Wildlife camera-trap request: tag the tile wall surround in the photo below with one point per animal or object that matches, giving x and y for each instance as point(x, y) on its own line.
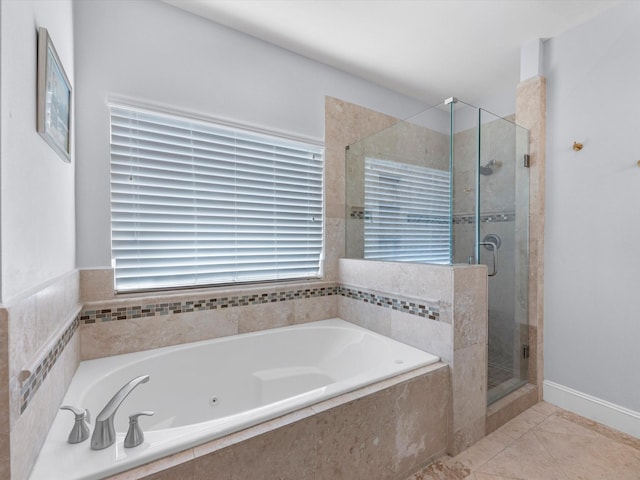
point(531, 102)
point(39, 330)
point(459, 338)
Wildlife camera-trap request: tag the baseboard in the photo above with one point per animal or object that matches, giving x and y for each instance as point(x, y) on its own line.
point(607, 413)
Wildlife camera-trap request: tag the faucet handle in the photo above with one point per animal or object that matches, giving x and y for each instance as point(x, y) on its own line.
point(80, 431)
point(135, 436)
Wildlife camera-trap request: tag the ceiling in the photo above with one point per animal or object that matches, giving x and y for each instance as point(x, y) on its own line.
point(426, 49)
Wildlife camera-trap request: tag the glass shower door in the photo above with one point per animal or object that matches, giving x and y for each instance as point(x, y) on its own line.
point(502, 244)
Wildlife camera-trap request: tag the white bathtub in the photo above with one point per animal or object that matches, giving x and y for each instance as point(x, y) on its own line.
point(204, 390)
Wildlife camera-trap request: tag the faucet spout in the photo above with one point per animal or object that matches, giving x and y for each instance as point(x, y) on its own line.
point(104, 433)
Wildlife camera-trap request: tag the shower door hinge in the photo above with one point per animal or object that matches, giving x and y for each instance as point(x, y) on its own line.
point(527, 160)
point(525, 350)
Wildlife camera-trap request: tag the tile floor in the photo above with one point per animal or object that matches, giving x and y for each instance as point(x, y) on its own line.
point(544, 443)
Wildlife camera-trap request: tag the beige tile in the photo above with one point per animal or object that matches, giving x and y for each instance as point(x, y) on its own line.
point(558, 424)
point(182, 472)
point(5, 456)
point(486, 476)
point(527, 458)
point(440, 470)
point(469, 383)
point(316, 308)
point(470, 306)
point(522, 424)
point(420, 414)
point(602, 429)
point(510, 406)
point(354, 441)
point(96, 285)
point(4, 378)
point(115, 337)
point(286, 453)
point(261, 317)
point(377, 319)
point(334, 247)
point(482, 451)
point(178, 465)
point(592, 457)
point(428, 335)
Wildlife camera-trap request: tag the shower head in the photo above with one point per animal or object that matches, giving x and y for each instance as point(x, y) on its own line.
point(486, 169)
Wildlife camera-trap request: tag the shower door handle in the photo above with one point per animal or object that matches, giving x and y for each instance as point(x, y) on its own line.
point(494, 254)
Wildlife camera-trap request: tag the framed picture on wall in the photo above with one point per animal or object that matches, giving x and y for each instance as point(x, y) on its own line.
point(54, 98)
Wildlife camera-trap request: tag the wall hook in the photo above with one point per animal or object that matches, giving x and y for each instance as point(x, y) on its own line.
point(577, 146)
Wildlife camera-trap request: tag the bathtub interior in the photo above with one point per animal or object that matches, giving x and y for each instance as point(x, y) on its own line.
point(205, 390)
point(197, 383)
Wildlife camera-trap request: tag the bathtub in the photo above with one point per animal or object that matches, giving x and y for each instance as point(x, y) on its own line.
point(204, 390)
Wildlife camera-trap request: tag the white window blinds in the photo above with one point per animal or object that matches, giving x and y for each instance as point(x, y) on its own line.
point(195, 203)
point(407, 213)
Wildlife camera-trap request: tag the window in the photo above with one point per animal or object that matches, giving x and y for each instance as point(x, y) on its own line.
point(195, 203)
point(407, 213)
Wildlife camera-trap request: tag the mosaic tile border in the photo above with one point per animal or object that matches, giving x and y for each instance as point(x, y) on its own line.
point(40, 372)
point(411, 307)
point(487, 218)
point(91, 316)
point(461, 219)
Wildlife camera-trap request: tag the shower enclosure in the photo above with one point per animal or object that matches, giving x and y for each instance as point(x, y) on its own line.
point(450, 186)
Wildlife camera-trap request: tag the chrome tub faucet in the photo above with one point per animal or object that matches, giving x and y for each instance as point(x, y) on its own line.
point(104, 433)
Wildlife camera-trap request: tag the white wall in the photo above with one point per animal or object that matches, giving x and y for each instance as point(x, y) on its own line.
point(37, 201)
point(157, 54)
point(592, 230)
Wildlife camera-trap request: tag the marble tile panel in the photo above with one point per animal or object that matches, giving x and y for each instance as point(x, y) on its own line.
point(522, 424)
point(96, 285)
point(428, 282)
point(23, 334)
point(428, 335)
point(526, 458)
point(481, 452)
point(592, 457)
point(421, 426)
point(4, 379)
point(314, 309)
point(334, 182)
point(354, 441)
point(5, 455)
point(486, 476)
point(264, 428)
point(334, 247)
point(469, 384)
point(465, 436)
point(30, 428)
point(366, 315)
point(470, 306)
point(115, 337)
point(440, 470)
point(287, 453)
point(262, 317)
point(545, 408)
point(510, 406)
point(177, 466)
point(185, 471)
point(608, 432)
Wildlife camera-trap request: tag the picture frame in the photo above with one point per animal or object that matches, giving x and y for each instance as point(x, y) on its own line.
point(53, 98)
